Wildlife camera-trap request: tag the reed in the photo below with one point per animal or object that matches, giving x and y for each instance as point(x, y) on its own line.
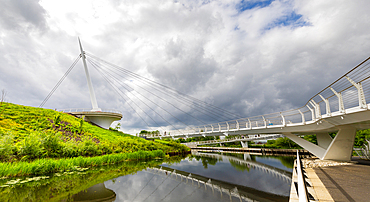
point(48, 165)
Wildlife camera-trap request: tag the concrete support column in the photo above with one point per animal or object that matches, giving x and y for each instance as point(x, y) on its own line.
point(323, 140)
point(244, 144)
point(341, 147)
point(311, 147)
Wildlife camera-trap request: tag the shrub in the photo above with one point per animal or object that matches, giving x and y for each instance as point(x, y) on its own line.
point(52, 144)
point(89, 148)
point(31, 147)
point(7, 147)
point(69, 150)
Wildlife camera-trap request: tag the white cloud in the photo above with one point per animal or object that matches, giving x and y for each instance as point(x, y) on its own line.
point(246, 61)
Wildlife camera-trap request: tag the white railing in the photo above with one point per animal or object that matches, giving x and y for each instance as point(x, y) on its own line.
point(233, 139)
point(349, 91)
point(72, 110)
point(302, 190)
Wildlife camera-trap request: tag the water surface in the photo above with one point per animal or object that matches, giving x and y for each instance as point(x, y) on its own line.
point(198, 177)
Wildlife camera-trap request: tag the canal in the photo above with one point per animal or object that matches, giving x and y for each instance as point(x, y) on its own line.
point(195, 177)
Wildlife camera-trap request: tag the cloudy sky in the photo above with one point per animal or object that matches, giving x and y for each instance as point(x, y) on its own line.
point(248, 57)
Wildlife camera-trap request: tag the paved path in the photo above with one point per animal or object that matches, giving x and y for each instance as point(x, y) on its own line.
point(348, 182)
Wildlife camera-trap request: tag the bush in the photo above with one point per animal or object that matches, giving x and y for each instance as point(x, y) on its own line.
point(89, 148)
point(69, 150)
point(31, 147)
point(7, 147)
point(52, 145)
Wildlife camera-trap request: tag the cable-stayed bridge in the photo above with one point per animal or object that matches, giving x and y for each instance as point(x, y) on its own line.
point(341, 107)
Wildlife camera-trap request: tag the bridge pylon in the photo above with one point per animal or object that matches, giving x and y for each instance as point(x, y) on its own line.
point(97, 116)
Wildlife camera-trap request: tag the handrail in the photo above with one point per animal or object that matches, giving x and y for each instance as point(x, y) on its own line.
point(235, 139)
point(71, 110)
point(302, 190)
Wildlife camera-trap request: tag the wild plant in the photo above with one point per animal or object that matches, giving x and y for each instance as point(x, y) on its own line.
point(7, 147)
point(31, 147)
point(52, 144)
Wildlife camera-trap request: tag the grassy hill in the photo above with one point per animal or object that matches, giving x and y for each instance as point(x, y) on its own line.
point(28, 133)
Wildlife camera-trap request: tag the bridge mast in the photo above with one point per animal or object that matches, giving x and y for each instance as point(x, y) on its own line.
point(91, 89)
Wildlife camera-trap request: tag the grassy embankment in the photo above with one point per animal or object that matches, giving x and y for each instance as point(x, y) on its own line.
point(39, 141)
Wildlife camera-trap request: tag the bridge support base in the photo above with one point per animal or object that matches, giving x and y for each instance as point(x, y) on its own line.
point(339, 148)
point(244, 144)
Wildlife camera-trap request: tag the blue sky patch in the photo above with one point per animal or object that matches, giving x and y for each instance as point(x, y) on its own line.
point(247, 5)
point(293, 19)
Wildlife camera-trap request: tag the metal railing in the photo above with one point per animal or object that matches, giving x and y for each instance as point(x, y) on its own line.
point(364, 151)
point(233, 139)
point(349, 91)
point(72, 110)
point(302, 189)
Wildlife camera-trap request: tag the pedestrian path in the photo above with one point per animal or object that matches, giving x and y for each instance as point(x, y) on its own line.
point(347, 182)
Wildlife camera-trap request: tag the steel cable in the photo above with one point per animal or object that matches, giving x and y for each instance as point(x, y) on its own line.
point(166, 87)
point(176, 96)
point(59, 82)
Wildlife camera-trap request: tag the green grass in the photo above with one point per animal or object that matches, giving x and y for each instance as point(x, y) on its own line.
point(47, 166)
point(28, 133)
point(36, 141)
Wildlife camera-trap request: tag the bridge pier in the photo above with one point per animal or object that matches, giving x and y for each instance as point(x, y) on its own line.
point(323, 140)
point(339, 148)
point(244, 144)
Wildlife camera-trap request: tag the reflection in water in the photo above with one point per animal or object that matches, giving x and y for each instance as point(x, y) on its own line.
point(205, 177)
point(96, 193)
point(199, 177)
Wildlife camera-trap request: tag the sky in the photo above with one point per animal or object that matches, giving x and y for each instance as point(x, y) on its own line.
point(247, 57)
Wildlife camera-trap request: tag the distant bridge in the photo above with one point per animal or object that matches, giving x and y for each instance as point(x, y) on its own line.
point(243, 140)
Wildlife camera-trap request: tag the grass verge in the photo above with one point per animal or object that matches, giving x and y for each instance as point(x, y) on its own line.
point(47, 165)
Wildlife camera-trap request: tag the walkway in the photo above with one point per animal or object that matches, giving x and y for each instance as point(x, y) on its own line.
point(233, 139)
point(347, 182)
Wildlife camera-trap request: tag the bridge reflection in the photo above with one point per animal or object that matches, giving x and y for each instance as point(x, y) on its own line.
point(218, 187)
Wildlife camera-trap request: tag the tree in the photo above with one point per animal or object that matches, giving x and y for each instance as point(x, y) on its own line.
point(118, 126)
point(2, 101)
